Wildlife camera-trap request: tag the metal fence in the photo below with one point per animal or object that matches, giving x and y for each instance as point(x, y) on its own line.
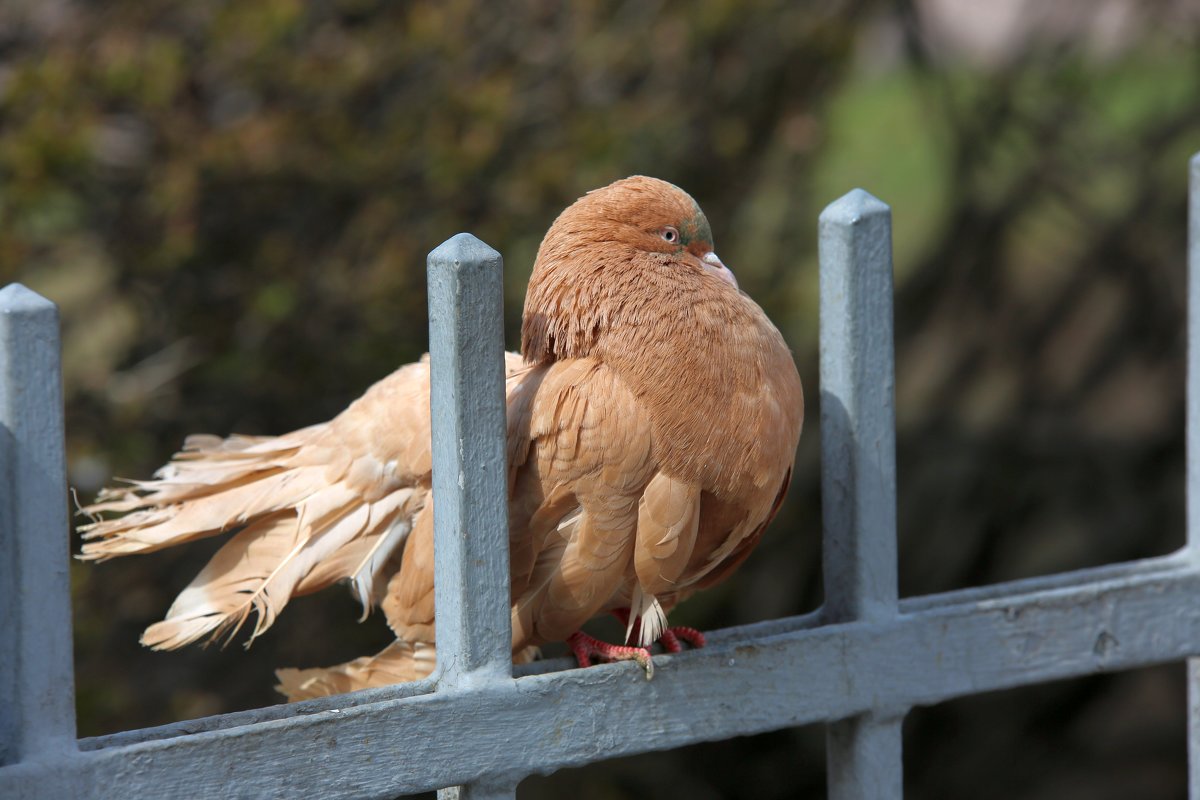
point(858, 664)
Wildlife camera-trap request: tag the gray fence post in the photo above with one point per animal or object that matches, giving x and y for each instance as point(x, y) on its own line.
point(1193, 454)
point(471, 595)
point(858, 485)
point(37, 675)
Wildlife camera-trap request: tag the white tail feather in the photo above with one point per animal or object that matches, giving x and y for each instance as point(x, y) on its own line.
point(646, 609)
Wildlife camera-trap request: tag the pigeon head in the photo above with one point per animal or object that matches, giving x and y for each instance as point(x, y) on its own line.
point(617, 258)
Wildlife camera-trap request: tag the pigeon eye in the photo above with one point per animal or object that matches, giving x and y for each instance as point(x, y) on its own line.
point(669, 234)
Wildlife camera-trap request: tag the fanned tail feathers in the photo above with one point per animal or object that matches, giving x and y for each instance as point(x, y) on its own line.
point(305, 528)
point(209, 487)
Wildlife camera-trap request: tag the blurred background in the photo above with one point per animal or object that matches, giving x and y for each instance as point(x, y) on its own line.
point(232, 203)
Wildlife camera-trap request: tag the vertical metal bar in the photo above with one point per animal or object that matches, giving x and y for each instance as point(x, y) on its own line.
point(466, 348)
point(1193, 701)
point(471, 574)
point(37, 673)
point(1193, 454)
point(863, 757)
point(858, 418)
point(858, 446)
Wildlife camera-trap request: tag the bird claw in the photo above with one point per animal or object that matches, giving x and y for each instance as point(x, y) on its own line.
point(586, 647)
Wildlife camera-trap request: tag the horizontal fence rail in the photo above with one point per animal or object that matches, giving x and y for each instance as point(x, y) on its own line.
point(748, 680)
point(477, 727)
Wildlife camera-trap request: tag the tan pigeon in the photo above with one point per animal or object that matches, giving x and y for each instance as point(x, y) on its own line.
point(653, 416)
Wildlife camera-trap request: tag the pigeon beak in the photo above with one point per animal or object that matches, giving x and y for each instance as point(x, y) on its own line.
point(714, 265)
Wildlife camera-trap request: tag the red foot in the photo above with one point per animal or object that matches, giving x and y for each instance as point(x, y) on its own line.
point(585, 647)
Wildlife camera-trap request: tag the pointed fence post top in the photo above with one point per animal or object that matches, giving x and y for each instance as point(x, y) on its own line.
point(852, 208)
point(16, 297)
point(464, 250)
